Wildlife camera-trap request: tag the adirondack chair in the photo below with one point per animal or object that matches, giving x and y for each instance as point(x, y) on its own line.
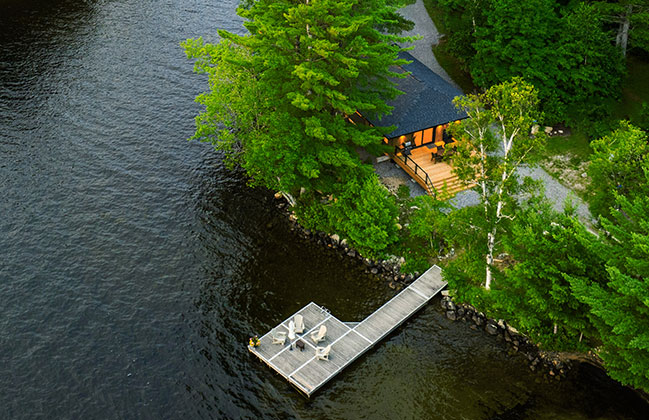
point(322, 353)
point(279, 337)
point(320, 335)
point(299, 324)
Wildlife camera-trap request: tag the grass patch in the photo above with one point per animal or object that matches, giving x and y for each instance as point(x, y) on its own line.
point(576, 145)
point(635, 89)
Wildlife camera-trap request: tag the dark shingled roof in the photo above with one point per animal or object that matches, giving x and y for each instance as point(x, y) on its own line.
point(427, 101)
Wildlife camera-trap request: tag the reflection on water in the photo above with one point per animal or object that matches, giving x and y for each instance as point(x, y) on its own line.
point(134, 265)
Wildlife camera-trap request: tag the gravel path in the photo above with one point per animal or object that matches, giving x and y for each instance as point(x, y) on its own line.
point(424, 27)
point(554, 191)
point(557, 193)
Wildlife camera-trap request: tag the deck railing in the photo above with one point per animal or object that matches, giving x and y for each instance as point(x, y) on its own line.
point(419, 171)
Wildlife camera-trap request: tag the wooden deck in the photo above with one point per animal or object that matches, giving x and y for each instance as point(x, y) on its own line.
point(349, 340)
point(440, 173)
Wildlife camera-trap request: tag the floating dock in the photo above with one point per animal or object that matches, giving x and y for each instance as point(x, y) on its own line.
point(348, 340)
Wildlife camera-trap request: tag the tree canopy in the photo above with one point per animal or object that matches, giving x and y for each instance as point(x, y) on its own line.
point(617, 167)
point(279, 96)
point(489, 159)
point(562, 49)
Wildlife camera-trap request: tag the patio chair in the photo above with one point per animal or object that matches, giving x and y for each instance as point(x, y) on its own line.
point(299, 324)
point(322, 353)
point(279, 337)
point(320, 335)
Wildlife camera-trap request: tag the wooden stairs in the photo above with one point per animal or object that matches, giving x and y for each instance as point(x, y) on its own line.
point(441, 179)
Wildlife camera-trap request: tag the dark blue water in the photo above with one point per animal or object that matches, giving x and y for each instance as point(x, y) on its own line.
point(133, 265)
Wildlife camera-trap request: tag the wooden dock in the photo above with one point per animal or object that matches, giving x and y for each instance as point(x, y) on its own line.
point(348, 340)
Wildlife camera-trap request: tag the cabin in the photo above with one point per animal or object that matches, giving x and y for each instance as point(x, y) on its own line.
point(420, 143)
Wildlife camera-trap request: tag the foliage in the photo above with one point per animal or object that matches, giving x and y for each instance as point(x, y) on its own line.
point(365, 213)
point(545, 257)
point(642, 121)
point(617, 167)
point(591, 67)
point(631, 22)
point(460, 20)
point(563, 50)
point(427, 221)
point(620, 308)
point(490, 160)
point(279, 96)
point(517, 40)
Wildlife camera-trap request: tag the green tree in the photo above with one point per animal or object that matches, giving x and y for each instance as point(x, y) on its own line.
point(617, 167)
point(544, 258)
point(620, 307)
point(427, 221)
point(631, 18)
point(519, 38)
point(462, 18)
point(591, 67)
point(364, 212)
point(279, 94)
point(490, 160)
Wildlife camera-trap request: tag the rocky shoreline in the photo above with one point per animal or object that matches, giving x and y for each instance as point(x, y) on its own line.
point(550, 363)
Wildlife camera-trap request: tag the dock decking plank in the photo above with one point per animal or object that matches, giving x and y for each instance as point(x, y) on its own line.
point(348, 340)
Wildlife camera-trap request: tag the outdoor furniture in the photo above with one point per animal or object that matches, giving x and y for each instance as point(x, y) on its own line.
point(320, 335)
point(291, 332)
point(322, 353)
point(299, 323)
point(279, 337)
point(299, 344)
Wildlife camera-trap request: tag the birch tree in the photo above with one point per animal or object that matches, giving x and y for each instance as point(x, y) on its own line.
point(494, 142)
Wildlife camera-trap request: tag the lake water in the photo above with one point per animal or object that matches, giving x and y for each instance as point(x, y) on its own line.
point(134, 266)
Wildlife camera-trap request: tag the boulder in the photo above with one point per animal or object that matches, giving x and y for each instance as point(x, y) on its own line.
point(335, 238)
point(451, 315)
point(491, 328)
point(374, 271)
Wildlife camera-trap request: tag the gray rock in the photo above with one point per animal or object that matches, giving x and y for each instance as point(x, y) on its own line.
point(451, 315)
point(335, 238)
point(491, 328)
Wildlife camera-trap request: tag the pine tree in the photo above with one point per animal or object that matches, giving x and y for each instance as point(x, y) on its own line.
point(280, 94)
point(545, 258)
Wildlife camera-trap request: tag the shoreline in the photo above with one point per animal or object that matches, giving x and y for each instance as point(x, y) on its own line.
point(552, 364)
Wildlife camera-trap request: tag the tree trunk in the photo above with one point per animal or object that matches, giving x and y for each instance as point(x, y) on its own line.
point(491, 240)
point(622, 38)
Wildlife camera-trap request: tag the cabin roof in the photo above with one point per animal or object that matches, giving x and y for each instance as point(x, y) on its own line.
point(427, 100)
